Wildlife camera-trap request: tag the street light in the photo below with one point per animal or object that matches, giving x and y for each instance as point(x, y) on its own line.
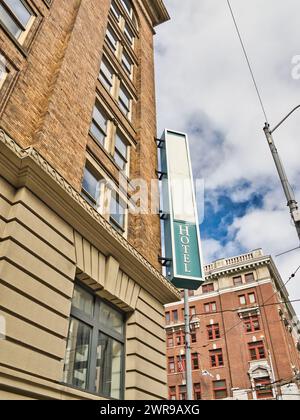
point(289, 193)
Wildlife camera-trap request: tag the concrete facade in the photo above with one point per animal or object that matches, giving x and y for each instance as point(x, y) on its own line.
point(50, 235)
point(243, 303)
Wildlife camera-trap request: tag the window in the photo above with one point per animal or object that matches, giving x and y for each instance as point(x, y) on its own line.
point(237, 281)
point(194, 337)
point(112, 39)
point(192, 311)
point(172, 393)
point(257, 350)
point(210, 307)
point(99, 124)
point(195, 361)
point(182, 392)
point(168, 318)
point(170, 340)
point(207, 288)
point(117, 212)
point(249, 278)
point(127, 63)
point(95, 348)
point(181, 363)
point(220, 389)
point(171, 365)
point(128, 6)
point(175, 316)
point(91, 187)
point(115, 10)
point(213, 332)
point(263, 388)
point(180, 338)
point(121, 151)
point(252, 323)
point(248, 299)
point(106, 74)
point(197, 391)
point(125, 101)
point(216, 358)
point(129, 34)
point(15, 16)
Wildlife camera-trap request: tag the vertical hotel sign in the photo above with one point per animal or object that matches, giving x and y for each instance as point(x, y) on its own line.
point(181, 226)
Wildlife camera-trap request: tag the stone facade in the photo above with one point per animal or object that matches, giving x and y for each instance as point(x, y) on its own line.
point(50, 234)
point(239, 306)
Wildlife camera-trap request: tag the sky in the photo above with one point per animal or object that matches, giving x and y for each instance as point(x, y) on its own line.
point(204, 88)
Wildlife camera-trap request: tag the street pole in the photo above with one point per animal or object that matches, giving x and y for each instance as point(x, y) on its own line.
point(188, 361)
point(289, 193)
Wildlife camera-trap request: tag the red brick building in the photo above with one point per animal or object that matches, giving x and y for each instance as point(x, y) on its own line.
point(244, 342)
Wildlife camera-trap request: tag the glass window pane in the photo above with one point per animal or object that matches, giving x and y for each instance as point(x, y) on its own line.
point(128, 6)
point(129, 35)
point(19, 10)
point(112, 38)
point(117, 210)
point(121, 146)
point(91, 185)
point(106, 74)
point(109, 367)
point(110, 318)
point(83, 300)
point(115, 10)
point(99, 124)
point(10, 24)
point(252, 298)
point(127, 63)
point(77, 354)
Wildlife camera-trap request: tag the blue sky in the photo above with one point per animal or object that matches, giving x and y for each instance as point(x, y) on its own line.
point(204, 88)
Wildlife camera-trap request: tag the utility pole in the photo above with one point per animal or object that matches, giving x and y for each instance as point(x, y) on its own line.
point(188, 361)
point(289, 193)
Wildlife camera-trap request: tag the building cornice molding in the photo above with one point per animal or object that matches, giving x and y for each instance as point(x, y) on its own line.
point(157, 11)
point(224, 271)
point(28, 168)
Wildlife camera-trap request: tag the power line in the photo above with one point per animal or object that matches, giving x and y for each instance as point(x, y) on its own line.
point(247, 59)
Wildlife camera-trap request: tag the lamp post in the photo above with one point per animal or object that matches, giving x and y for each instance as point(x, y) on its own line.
point(289, 193)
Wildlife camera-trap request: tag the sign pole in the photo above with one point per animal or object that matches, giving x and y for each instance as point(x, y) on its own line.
point(188, 361)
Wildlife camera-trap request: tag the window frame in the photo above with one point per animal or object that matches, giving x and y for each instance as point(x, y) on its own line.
point(218, 389)
point(250, 320)
point(210, 306)
point(213, 332)
point(256, 346)
point(96, 329)
point(208, 288)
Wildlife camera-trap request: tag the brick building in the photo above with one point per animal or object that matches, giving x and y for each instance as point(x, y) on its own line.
point(81, 294)
point(245, 342)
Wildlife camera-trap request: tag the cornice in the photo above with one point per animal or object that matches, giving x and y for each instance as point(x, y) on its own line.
point(157, 11)
point(28, 168)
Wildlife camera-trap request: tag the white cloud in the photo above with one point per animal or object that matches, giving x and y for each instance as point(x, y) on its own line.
point(204, 88)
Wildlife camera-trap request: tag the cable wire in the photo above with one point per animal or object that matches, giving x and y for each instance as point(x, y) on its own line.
point(247, 59)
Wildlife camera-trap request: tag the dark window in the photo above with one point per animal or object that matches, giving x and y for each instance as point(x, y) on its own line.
point(117, 212)
point(213, 332)
point(182, 392)
point(210, 307)
point(257, 350)
point(106, 74)
point(194, 337)
point(220, 390)
point(120, 155)
point(263, 388)
point(237, 280)
point(175, 316)
point(197, 391)
point(99, 124)
point(216, 358)
point(195, 361)
point(171, 365)
point(172, 393)
point(168, 320)
point(15, 16)
point(249, 278)
point(170, 340)
point(91, 187)
point(94, 358)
